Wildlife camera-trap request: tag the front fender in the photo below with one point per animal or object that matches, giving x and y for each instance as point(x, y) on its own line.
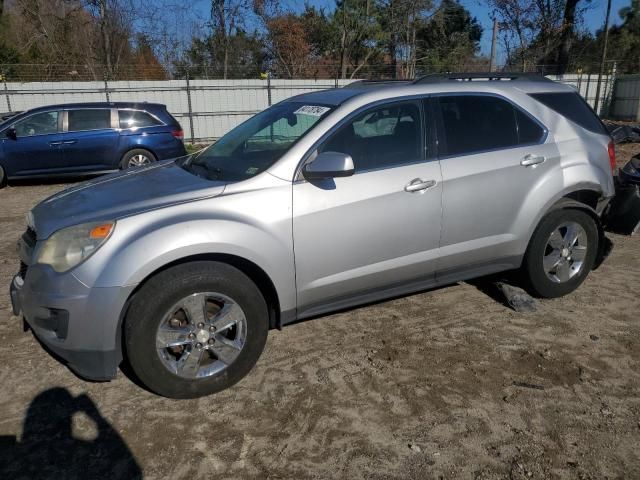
point(142, 244)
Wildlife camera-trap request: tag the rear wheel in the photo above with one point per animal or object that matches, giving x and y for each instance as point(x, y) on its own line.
point(195, 329)
point(3, 178)
point(137, 158)
point(561, 253)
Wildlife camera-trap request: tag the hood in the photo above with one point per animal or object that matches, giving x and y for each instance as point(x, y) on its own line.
point(121, 194)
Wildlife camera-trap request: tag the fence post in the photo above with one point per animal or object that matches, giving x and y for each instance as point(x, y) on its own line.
point(6, 90)
point(106, 85)
point(189, 107)
point(269, 88)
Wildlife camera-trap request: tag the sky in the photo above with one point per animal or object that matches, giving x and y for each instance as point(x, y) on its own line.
point(594, 16)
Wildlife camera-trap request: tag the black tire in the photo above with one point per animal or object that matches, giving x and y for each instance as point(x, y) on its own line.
point(3, 178)
point(156, 298)
point(126, 159)
point(539, 282)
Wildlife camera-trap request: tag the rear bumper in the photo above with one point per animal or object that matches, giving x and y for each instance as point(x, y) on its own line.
point(77, 324)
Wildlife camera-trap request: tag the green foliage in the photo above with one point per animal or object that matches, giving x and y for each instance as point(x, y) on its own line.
point(449, 39)
point(205, 59)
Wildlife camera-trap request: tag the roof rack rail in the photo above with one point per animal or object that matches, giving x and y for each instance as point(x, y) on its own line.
point(488, 76)
point(376, 83)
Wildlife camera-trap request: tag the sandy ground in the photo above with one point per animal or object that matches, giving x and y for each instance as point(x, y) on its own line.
point(427, 386)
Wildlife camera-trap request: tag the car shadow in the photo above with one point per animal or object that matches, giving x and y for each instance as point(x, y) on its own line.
point(62, 181)
point(51, 448)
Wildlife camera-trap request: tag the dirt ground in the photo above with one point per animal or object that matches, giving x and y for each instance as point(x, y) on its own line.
point(449, 383)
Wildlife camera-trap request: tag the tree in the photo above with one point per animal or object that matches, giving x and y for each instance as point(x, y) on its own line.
point(449, 39)
point(566, 35)
point(288, 45)
point(359, 34)
point(518, 27)
point(226, 20)
point(403, 20)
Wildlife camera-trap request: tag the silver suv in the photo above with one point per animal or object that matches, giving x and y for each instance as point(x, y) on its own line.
point(324, 201)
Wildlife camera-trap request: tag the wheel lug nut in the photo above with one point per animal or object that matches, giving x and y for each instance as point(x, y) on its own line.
point(192, 336)
point(198, 345)
point(201, 325)
point(212, 328)
point(211, 341)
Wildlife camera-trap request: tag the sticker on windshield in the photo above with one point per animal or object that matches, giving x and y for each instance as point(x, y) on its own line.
point(313, 110)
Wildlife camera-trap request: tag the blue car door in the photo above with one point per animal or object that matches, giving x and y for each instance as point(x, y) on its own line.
point(36, 148)
point(90, 139)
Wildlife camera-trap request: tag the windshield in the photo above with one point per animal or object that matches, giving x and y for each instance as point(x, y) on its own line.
point(258, 143)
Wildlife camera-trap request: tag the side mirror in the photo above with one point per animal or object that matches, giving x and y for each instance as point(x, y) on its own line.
point(11, 133)
point(329, 165)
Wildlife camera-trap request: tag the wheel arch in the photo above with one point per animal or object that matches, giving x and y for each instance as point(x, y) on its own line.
point(583, 199)
point(249, 268)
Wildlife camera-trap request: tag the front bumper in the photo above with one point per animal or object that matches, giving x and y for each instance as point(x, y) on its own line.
point(78, 324)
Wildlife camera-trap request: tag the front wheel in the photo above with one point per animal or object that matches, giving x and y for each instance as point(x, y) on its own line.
point(195, 329)
point(561, 253)
point(3, 178)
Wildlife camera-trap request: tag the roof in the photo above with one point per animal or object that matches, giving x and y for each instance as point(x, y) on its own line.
point(98, 105)
point(431, 84)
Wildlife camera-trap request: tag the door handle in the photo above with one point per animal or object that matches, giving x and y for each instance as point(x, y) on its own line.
point(419, 185)
point(54, 144)
point(530, 160)
point(69, 142)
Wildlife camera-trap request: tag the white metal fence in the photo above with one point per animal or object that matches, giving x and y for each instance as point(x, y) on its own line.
point(625, 103)
point(206, 108)
point(209, 108)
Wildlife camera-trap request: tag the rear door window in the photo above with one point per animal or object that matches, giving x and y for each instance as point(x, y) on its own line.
point(89, 119)
point(137, 119)
point(382, 137)
point(478, 123)
point(572, 106)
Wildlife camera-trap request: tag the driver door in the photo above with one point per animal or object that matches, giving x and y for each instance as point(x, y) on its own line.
point(376, 233)
point(37, 147)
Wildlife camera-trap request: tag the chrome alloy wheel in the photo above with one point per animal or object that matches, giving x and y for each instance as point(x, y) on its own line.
point(138, 161)
point(201, 335)
point(565, 252)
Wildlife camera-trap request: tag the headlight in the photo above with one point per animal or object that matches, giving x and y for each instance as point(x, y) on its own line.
point(70, 246)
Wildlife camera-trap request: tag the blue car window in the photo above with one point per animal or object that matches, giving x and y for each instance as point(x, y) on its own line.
point(89, 119)
point(137, 119)
point(39, 124)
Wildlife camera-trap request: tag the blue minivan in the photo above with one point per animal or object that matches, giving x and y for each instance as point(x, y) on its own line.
point(87, 138)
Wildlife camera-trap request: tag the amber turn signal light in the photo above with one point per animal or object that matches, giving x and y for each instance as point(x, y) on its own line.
point(101, 231)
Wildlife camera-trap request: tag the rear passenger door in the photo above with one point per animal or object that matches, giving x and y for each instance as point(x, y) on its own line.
point(377, 230)
point(90, 139)
point(492, 155)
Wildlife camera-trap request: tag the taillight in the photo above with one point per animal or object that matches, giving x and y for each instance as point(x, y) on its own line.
point(612, 156)
point(178, 134)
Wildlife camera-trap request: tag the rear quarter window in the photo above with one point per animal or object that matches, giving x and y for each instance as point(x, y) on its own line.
point(137, 119)
point(572, 106)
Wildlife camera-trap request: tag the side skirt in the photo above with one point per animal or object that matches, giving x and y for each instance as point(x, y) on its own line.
point(363, 298)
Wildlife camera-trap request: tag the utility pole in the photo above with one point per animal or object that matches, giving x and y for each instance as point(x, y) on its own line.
point(604, 56)
point(494, 41)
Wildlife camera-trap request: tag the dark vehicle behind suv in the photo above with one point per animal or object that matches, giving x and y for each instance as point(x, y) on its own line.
point(87, 138)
